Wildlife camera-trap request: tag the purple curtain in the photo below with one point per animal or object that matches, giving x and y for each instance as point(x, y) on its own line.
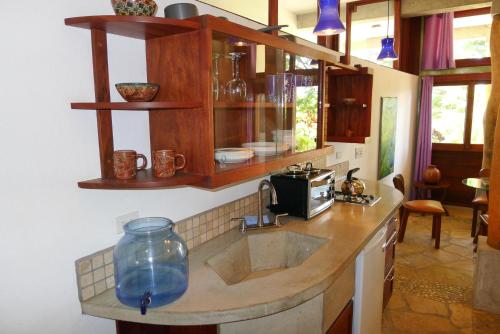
point(437, 54)
point(424, 138)
point(438, 42)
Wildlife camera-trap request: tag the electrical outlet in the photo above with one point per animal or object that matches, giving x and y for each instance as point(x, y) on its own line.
point(358, 153)
point(123, 219)
point(338, 155)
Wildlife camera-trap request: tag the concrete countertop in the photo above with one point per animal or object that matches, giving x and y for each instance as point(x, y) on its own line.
point(209, 300)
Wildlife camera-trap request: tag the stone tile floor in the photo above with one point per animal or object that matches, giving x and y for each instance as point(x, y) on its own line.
point(433, 288)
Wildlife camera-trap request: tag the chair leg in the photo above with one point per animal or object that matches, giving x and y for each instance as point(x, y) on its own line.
point(433, 226)
point(402, 227)
point(438, 231)
point(473, 228)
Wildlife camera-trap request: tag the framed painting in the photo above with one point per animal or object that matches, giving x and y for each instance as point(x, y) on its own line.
point(387, 139)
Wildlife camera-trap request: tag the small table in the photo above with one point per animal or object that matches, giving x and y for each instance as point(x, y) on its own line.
point(423, 188)
point(482, 183)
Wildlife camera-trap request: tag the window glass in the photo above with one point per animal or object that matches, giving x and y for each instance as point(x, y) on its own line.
point(481, 95)
point(449, 104)
point(368, 28)
point(300, 16)
point(471, 36)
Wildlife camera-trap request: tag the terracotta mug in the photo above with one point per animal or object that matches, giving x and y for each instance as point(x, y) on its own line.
point(164, 163)
point(125, 164)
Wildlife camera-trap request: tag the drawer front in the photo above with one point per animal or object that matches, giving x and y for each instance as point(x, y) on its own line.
point(388, 286)
point(390, 246)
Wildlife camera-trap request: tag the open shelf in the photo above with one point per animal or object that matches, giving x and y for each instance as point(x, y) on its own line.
point(135, 105)
point(248, 105)
point(141, 27)
point(144, 180)
point(259, 166)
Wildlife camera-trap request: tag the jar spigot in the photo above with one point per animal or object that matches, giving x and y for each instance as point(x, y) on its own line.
point(145, 301)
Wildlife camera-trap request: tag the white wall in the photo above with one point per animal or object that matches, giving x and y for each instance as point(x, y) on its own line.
point(48, 221)
point(386, 83)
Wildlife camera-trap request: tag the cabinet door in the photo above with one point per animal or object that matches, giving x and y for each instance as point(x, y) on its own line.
point(390, 253)
point(343, 324)
point(125, 327)
point(388, 287)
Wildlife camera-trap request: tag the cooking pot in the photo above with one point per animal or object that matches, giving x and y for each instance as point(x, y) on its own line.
point(352, 186)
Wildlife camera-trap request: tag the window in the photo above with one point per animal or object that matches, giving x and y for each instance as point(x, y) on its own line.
point(368, 28)
point(457, 113)
point(471, 36)
point(481, 95)
point(449, 104)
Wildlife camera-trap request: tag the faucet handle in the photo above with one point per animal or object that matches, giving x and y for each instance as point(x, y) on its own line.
point(277, 217)
point(243, 226)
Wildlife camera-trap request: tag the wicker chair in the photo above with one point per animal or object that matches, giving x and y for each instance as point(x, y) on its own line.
point(434, 208)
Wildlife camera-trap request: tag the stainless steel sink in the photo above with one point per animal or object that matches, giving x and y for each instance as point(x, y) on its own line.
point(263, 254)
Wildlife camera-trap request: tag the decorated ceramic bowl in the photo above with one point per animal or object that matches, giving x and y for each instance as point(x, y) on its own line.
point(137, 92)
point(134, 7)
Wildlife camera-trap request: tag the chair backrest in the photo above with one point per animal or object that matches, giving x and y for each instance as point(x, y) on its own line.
point(399, 183)
point(484, 172)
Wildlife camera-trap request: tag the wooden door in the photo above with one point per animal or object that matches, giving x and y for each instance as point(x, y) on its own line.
point(343, 324)
point(125, 327)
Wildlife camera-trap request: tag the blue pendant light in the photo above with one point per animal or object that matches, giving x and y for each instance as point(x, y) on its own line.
point(387, 52)
point(329, 22)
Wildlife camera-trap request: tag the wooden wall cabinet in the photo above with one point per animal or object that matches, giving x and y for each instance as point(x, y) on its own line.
point(349, 95)
point(184, 116)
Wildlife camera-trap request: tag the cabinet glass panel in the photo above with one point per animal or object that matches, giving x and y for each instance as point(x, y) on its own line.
point(265, 102)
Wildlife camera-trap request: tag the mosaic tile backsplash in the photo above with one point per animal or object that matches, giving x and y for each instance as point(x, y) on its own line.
point(95, 273)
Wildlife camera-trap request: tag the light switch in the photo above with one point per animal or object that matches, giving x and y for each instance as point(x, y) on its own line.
point(358, 153)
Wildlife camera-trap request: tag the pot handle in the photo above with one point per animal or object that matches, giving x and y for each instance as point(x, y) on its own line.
point(349, 173)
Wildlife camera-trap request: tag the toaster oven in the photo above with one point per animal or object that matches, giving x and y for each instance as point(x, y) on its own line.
point(304, 194)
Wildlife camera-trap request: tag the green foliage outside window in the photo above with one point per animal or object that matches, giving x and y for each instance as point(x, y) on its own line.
point(307, 118)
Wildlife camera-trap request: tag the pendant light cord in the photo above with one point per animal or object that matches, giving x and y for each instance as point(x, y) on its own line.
point(388, 3)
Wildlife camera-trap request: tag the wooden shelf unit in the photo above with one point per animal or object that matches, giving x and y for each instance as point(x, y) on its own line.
point(140, 27)
point(248, 105)
point(349, 121)
point(144, 180)
point(179, 59)
point(135, 105)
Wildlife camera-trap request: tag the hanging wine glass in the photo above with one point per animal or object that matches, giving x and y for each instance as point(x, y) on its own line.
point(217, 87)
point(236, 88)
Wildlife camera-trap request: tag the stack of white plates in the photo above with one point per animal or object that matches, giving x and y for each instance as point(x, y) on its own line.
point(232, 155)
point(266, 148)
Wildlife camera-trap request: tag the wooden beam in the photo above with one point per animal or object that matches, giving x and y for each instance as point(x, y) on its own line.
point(273, 15)
point(472, 12)
point(397, 31)
point(101, 88)
point(493, 130)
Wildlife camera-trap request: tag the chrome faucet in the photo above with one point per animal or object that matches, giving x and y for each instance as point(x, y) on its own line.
point(274, 200)
point(260, 215)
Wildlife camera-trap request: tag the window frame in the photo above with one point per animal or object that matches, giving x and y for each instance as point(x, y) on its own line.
point(470, 80)
point(471, 62)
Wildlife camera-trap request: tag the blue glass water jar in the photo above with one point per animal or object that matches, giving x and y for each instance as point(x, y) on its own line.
point(151, 264)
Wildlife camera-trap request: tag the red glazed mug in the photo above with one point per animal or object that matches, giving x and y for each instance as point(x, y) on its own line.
point(125, 164)
point(164, 163)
